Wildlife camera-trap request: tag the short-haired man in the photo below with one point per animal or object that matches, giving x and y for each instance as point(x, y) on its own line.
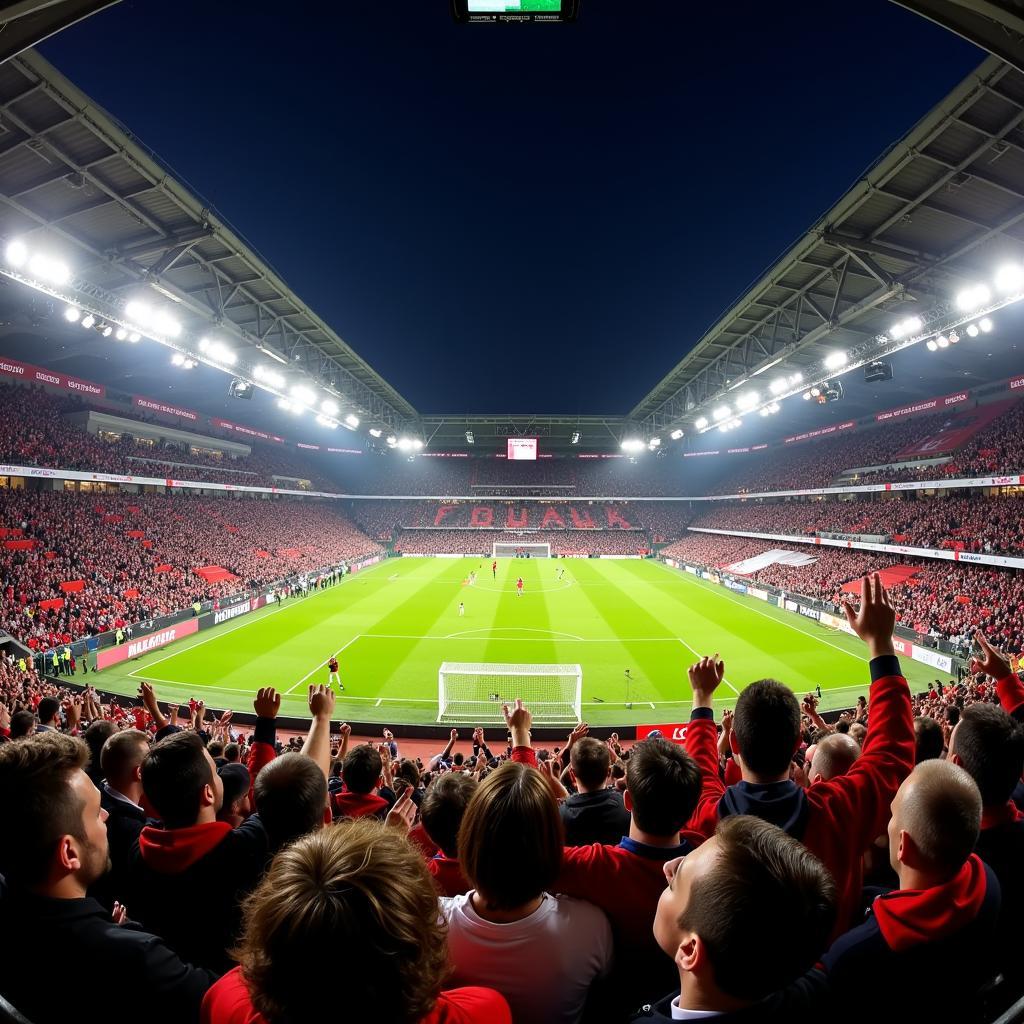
point(835, 755)
point(47, 711)
point(121, 797)
point(192, 852)
point(928, 739)
point(837, 820)
point(53, 848)
point(945, 911)
point(989, 745)
point(290, 798)
point(441, 811)
point(745, 915)
point(362, 773)
point(594, 813)
point(626, 879)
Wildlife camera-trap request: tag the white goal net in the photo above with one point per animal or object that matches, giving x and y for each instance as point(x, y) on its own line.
point(473, 692)
point(518, 550)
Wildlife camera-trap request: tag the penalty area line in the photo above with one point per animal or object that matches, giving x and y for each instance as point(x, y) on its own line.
point(322, 664)
point(698, 656)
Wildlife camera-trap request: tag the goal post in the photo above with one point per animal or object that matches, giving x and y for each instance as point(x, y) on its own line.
point(473, 692)
point(505, 550)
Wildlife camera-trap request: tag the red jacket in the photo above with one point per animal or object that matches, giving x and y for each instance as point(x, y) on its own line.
point(448, 876)
point(228, 1002)
point(836, 820)
point(1011, 695)
point(358, 805)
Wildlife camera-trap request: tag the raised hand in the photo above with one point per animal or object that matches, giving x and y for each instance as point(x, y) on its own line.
point(402, 813)
point(267, 702)
point(992, 661)
point(875, 620)
point(578, 733)
point(5, 717)
point(321, 701)
point(706, 676)
point(547, 769)
point(119, 914)
point(148, 695)
point(454, 734)
point(518, 716)
point(345, 730)
point(727, 722)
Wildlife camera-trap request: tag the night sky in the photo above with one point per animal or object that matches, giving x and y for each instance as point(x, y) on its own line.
point(522, 218)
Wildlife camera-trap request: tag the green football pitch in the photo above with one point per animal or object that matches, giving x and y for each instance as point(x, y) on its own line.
point(394, 624)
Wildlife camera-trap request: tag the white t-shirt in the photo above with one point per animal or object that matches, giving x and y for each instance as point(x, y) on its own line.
point(543, 965)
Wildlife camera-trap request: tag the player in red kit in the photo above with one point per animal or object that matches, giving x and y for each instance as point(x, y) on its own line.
point(494, 569)
point(334, 677)
point(519, 587)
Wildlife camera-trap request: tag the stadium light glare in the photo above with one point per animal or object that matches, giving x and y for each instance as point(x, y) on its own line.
point(632, 444)
point(302, 394)
point(404, 444)
point(121, 334)
point(655, 442)
point(972, 330)
point(134, 337)
point(721, 413)
point(178, 359)
point(986, 325)
point(374, 432)
point(575, 437)
point(326, 421)
point(778, 386)
point(701, 423)
point(797, 378)
point(165, 324)
point(72, 314)
point(972, 298)
point(1009, 278)
point(942, 341)
point(953, 337)
point(747, 400)
point(676, 434)
point(45, 268)
point(106, 330)
point(417, 444)
point(139, 313)
point(932, 345)
point(352, 420)
point(88, 321)
point(392, 441)
point(329, 406)
point(268, 375)
point(470, 439)
point(807, 396)
point(16, 253)
point(835, 359)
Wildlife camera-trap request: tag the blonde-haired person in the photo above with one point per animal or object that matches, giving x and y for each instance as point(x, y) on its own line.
point(541, 952)
point(346, 916)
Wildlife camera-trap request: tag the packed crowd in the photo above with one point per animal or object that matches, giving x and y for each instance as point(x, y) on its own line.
point(944, 600)
point(235, 879)
point(992, 525)
point(118, 578)
point(35, 432)
point(564, 543)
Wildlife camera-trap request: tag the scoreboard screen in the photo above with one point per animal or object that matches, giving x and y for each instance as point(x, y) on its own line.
point(515, 10)
point(522, 449)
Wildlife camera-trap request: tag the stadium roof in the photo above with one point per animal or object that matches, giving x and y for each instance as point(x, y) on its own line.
point(123, 221)
point(933, 215)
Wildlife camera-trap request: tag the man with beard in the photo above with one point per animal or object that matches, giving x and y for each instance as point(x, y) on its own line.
point(52, 848)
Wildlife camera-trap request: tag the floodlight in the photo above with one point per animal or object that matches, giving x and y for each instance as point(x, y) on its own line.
point(748, 400)
point(16, 253)
point(1009, 278)
point(721, 413)
point(632, 444)
point(701, 423)
point(392, 440)
point(972, 331)
point(807, 396)
point(676, 434)
point(778, 386)
point(72, 314)
point(374, 432)
point(932, 345)
point(121, 334)
point(575, 438)
point(470, 439)
point(178, 359)
point(164, 323)
point(655, 442)
point(138, 312)
point(134, 337)
point(106, 330)
point(797, 378)
point(986, 325)
point(942, 341)
point(352, 420)
point(835, 359)
point(326, 421)
point(972, 298)
point(417, 444)
point(88, 321)
point(329, 406)
point(302, 394)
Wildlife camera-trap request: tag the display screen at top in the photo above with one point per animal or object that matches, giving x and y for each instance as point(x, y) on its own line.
point(522, 448)
point(513, 7)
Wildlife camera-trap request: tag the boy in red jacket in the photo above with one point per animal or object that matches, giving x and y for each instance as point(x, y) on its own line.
point(836, 820)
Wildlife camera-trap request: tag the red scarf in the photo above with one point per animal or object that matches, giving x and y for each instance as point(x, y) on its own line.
point(911, 917)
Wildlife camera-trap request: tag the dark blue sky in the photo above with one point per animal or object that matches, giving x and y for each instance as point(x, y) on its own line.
point(523, 218)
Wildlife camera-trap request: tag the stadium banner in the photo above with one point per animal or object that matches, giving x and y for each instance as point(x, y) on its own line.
point(943, 662)
point(149, 404)
point(941, 554)
point(757, 592)
point(790, 606)
point(740, 588)
point(932, 403)
point(822, 432)
point(365, 563)
point(237, 428)
point(692, 569)
point(38, 375)
point(676, 731)
point(809, 613)
point(671, 563)
point(619, 556)
point(140, 645)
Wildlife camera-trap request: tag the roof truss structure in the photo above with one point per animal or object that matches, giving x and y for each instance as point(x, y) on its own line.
point(72, 174)
point(928, 218)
